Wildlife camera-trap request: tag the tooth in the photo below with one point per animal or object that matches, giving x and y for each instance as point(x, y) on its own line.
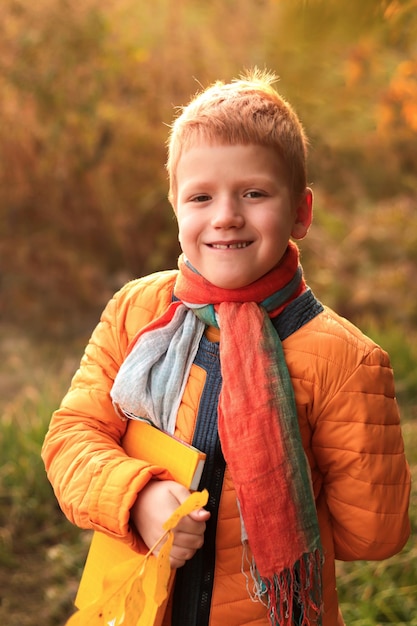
point(232, 246)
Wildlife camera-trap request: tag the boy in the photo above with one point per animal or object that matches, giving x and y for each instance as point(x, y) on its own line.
point(294, 407)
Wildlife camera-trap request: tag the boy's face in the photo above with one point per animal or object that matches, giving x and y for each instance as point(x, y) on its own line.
point(235, 211)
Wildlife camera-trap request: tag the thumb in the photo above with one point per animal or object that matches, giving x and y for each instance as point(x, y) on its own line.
point(181, 493)
point(178, 492)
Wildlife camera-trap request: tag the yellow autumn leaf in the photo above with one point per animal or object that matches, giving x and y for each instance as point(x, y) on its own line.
point(135, 590)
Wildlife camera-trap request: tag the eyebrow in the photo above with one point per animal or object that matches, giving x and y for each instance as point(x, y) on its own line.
point(249, 181)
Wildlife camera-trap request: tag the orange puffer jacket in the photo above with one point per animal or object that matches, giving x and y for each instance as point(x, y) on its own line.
point(349, 425)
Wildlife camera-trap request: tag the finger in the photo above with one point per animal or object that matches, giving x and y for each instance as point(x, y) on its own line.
point(188, 538)
point(190, 526)
point(179, 556)
point(201, 515)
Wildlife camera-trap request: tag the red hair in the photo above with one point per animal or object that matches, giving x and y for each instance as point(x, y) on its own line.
point(245, 111)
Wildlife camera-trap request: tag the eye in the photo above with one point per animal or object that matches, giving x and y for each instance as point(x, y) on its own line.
point(254, 193)
point(202, 197)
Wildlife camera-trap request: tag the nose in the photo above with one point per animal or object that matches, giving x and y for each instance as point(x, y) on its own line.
point(227, 213)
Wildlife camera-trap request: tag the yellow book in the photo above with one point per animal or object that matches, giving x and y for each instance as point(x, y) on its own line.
point(148, 443)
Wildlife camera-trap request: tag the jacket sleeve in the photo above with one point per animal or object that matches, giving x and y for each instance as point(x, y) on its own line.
point(358, 445)
point(95, 482)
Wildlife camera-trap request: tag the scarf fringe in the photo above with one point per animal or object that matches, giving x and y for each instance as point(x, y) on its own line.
point(292, 597)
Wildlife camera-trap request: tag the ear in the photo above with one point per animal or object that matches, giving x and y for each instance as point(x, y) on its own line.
point(303, 215)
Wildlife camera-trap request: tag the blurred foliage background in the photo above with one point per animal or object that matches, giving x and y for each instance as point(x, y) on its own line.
point(87, 91)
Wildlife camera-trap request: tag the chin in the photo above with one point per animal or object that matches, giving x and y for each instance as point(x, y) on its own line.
point(234, 284)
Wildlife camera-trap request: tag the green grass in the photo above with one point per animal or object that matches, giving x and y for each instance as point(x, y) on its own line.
point(42, 555)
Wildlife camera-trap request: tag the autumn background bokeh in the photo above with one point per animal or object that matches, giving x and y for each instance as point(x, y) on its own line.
point(87, 91)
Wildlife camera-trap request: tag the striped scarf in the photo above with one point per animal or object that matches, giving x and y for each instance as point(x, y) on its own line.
point(257, 422)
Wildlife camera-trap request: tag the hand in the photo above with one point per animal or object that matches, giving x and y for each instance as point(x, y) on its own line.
point(154, 505)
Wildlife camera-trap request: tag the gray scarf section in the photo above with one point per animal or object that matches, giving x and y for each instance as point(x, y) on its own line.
point(151, 380)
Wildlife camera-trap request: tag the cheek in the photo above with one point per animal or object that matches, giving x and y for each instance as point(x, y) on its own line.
point(281, 226)
point(186, 231)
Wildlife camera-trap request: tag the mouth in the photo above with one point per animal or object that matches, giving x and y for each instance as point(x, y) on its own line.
point(230, 246)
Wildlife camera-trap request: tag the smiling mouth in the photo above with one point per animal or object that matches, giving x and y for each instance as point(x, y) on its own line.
point(230, 246)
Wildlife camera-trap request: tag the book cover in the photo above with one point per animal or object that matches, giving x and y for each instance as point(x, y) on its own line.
point(148, 443)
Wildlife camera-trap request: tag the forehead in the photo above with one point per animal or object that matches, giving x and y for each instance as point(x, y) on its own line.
point(215, 162)
point(211, 131)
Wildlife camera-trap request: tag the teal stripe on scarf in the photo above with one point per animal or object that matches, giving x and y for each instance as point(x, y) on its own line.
point(303, 490)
